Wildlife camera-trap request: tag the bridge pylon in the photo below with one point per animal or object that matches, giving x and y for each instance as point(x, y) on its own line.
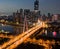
point(25, 27)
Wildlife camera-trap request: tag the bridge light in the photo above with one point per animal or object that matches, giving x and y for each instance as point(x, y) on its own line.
point(17, 22)
point(45, 32)
point(2, 24)
point(2, 31)
point(6, 21)
point(33, 24)
point(2, 20)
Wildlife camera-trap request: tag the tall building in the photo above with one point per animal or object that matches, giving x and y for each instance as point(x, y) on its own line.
point(13, 16)
point(36, 11)
point(49, 17)
point(36, 5)
point(26, 11)
point(21, 11)
point(36, 8)
point(44, 17)
point(17, 16)
point(21, 16)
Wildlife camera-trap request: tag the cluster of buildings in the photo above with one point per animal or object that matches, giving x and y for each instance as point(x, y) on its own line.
point(31, 16)
point(28, 17)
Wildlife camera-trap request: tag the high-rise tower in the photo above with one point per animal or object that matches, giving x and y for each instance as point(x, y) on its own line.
point(36, 5)
point(36, 10)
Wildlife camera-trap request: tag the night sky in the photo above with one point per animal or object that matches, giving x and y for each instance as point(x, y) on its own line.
point(46, 6)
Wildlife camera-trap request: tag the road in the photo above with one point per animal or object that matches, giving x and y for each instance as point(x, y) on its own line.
point(18, 37)
point(13, 43)
point(18, 42)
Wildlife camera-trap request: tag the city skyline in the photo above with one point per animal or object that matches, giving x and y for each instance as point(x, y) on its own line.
point(45, 6)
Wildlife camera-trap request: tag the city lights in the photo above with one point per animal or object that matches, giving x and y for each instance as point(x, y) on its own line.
point(23, 24)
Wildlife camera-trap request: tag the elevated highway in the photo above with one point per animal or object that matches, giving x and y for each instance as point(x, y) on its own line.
point(25, 37)
point(13, 43)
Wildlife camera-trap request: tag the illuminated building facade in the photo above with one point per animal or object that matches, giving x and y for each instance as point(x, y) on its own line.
point(56, 17)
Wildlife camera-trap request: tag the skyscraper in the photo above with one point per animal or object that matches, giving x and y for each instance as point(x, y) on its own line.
point(36, 10)
point(36, 5)
point(21, 11)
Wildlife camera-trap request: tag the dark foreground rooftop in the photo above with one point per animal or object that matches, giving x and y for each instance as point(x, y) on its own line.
point(29, 46)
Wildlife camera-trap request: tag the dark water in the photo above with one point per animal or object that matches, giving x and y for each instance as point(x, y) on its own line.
point(7, 28)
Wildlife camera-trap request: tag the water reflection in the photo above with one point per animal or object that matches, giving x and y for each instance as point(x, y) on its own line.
point(6, 28)
point(10, 29)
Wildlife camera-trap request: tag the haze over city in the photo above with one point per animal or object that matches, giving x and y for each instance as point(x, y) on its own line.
point(45, 6)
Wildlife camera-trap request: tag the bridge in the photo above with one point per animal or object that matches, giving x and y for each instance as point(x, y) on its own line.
point(13, 43)
point(25, 37)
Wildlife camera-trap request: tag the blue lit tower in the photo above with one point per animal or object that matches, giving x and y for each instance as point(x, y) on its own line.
point(36, 10)
point(36, 5)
